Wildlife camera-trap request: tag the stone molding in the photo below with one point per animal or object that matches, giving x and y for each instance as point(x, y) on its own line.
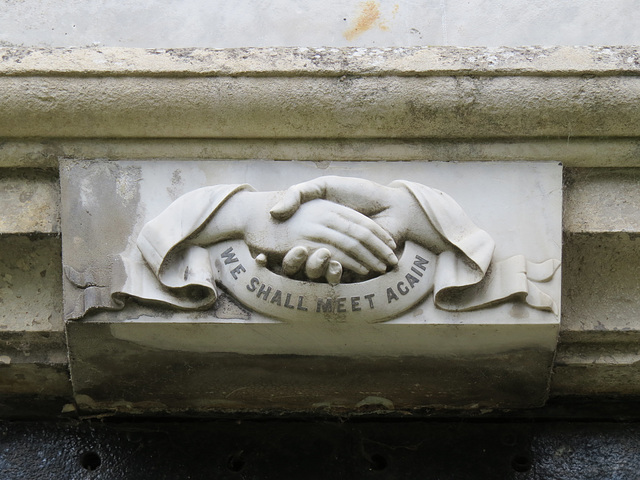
point(287, 93)
point(577, 152)
point(328, 61)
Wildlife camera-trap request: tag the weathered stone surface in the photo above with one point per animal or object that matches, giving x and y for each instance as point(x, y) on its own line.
point(261, 100)
point(34, 363)
point(33, 353)
point(601, 292)
point(30, 202)
point(331, 61)
point(338, 107)
point(599, 368)
point(142, 378)
point(602, 201)
point(598, 352)
point(577, 152)
point(30, 284)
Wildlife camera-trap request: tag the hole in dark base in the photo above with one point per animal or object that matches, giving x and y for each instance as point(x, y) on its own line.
point(90, 461)
point(378, 462)
point(521, 463)
point(235, 462)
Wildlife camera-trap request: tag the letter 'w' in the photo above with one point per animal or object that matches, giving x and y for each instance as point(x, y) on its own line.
point(229, 256)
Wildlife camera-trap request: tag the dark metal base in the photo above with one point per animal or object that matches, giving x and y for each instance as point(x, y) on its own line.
point(289, 449)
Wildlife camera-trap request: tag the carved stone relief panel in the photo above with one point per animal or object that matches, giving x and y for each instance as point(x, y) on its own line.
point(302, 285)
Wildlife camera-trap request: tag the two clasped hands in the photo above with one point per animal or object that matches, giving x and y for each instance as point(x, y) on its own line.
point(325, 225)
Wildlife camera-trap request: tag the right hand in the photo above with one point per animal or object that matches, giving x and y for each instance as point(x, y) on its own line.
point(352, 239)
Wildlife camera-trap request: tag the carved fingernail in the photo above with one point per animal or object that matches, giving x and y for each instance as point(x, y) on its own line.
point(323, 253)
point(334, 272)
point(392, 259)
point(293, 260)
point(363, 270)
point(317, 263)
point(381, 267)
point(334, 267)
point(299, 253)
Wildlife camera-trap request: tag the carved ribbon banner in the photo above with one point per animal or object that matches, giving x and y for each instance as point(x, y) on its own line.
point(283, 298)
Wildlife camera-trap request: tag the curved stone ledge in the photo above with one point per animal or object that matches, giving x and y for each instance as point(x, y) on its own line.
point(302, 107)
point(437, 93)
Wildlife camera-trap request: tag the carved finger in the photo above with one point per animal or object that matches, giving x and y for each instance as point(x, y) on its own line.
point(370, 227)
point(345, 260)
point(296, 195)
point(294, 260)
point(317, 263)
point(349, 250)
point(261, 260)
point(356, 250)
point(334, 272)
point(340, 245)
point(364, 196)
point(371, 235)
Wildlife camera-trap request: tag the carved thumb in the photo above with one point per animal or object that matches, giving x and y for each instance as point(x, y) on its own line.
point(288, 205)
point(297, 195)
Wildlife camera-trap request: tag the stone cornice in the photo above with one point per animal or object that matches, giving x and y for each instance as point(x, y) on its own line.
point(285, 93)
point(328, 61)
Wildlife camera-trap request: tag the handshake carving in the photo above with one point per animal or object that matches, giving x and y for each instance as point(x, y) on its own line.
point(331, 228)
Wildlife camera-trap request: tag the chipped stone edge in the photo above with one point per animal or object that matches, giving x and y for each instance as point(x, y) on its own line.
point(328, 61)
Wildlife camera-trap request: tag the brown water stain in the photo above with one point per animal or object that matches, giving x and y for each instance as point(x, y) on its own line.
point(367, 18)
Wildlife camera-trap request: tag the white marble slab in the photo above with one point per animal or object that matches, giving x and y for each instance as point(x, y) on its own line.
point(476, 304)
